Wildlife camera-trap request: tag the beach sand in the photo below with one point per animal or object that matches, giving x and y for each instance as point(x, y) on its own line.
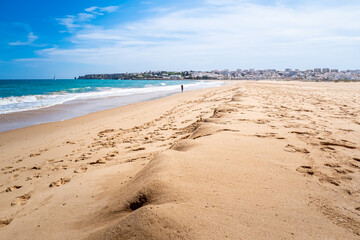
point(249, 160)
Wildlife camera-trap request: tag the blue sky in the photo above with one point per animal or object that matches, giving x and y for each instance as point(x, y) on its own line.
point(65, 38)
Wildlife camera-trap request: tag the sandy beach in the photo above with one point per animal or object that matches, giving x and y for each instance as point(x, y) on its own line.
point(249, 160)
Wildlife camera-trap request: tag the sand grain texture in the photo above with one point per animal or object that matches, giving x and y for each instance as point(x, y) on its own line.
point(250, 160)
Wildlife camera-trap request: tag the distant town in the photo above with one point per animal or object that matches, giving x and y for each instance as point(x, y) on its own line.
point(317, 74)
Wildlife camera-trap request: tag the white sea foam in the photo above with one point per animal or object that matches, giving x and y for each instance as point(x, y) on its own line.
point(32, 102)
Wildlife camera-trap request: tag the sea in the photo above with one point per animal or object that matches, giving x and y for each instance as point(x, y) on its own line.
point(29, 102)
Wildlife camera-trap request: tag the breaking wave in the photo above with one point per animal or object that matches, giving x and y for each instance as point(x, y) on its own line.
point(32, 102)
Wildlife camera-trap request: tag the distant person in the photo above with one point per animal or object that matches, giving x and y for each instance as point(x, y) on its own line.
point(182, 88)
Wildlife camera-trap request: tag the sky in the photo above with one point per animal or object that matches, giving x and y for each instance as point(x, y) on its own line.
point(40, 39)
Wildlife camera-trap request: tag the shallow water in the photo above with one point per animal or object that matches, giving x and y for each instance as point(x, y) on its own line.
point(72, 98)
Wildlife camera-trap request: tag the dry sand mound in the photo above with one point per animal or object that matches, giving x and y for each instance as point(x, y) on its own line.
point(255, 160)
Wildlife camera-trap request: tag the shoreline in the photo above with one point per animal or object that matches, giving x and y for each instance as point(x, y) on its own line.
point(95, 116)
point(251, 159)
point(75, 108)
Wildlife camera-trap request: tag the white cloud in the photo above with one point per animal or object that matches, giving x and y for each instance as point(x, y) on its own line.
point(109, 9)
point(224, 33)
point(72, 22)
point(68, 21)
point(82, 17)
point(30, 39)
point(97, 10)
point(91, 9)
point(34, 60)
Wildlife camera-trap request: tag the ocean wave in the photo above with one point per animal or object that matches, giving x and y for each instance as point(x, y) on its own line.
point(79, 90)
point(32, 102)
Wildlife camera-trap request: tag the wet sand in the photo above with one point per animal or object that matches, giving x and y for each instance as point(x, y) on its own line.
point(249, 160)
point(72, 109)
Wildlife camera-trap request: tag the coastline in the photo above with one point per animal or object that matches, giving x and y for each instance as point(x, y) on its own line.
point(81, 107)
point(249, 159)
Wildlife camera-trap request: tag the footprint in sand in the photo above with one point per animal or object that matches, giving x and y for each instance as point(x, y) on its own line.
point(291, 148)
point(15, 170)
point(43, 150)
point(112, 154)
point(81, 158)
point(330, 180)
point(303, 133)
point(332, 165)
point(306, 170)
point(5, 221)
point(21, 200)
point(354, 166)
point(35, 168)
point(327, 148)
point(6, 168)
point(99, 161)
point(138, 149)
point(37, 175)
point(80, 169)
point(261, 121)
point(108, 158)
point(34, 155)
point(265, 135)
point(59, 167)
point(60, 182)
point(342, 143)
point(101, 134)
point(15, 176)
point(15, 187)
